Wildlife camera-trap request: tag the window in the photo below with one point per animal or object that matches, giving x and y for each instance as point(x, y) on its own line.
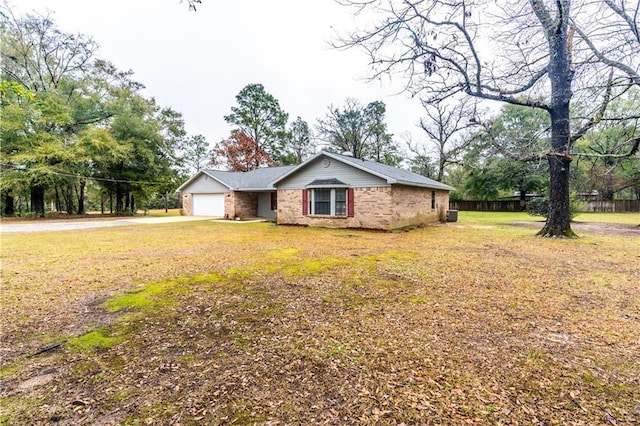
point(274, 201)
point(328, 201)
point(433, 200)
point(341, 201)
point(321, 201)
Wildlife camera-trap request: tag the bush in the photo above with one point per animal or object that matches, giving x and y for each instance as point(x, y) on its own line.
point(540, 207)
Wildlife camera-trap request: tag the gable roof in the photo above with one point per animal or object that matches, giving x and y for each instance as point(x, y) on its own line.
point(253, 180)
point(392, 175)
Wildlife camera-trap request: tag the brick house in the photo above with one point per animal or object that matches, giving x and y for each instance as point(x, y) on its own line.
point(232, 195)
point(327, 190)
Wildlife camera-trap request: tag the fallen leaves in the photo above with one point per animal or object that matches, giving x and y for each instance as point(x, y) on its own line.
point(275, 325)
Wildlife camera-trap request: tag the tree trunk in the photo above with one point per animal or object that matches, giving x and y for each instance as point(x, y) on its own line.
point(37, 199)
point(119, 200)
point(57, 199)
point(80, 195)
point(523, 199)
point(559, 218)
point(441, 165)
point(68, 199)
point(8, 207)
point(561, 76)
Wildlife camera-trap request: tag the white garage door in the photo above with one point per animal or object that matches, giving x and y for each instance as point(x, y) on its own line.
point(208, 205)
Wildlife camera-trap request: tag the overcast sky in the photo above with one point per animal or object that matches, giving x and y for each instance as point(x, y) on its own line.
point(197, 62)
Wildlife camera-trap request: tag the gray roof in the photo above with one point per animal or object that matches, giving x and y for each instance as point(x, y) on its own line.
point(253, 180)
point(265, 179)
point(392, 175)
point(259, 179)
point(327, 182)
point(401, 176)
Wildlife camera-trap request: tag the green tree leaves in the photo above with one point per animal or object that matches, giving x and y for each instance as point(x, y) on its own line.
point(72, 120)
point(259, 116)
point(359, 130)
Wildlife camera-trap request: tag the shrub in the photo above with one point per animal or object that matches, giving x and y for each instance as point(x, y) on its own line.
point(540, 206)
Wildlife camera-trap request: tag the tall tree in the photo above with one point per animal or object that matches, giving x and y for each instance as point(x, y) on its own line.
point(259, 116)
point(300, 145)
point(610, 153)
point(17, 112)
point(520, 53)
point(380, 146)
point(446, 127)
point(508, 153)
point(194, 152)
point(145, 134)
point(240, 153)
point(48, 63)
point(358, 130)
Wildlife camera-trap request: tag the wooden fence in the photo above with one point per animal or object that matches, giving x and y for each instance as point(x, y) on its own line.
point(487, 206)
point(617, 206)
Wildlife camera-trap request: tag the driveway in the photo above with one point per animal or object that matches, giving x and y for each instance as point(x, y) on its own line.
point(70, 224)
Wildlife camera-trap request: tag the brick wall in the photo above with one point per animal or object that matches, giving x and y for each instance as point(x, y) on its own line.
point(375, 208)
point(241, 204)
point(186, 204)
point(413, 206)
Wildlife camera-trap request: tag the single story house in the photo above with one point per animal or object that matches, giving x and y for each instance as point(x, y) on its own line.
point(327, 190)
point(232, 195)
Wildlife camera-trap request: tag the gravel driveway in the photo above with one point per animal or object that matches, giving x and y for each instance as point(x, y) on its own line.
point(68, 225)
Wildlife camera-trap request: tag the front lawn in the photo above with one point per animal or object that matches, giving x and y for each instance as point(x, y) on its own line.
point(476, 321)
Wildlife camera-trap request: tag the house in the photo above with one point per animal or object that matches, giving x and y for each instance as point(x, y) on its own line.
point(232, 195)
point(327, 190)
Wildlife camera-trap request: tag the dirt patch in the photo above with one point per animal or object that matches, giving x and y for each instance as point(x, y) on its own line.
point(37, 381)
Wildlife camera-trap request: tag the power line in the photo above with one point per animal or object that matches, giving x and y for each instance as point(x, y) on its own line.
point(99, 179)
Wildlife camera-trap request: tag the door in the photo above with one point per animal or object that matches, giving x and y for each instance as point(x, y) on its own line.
point(208, 205)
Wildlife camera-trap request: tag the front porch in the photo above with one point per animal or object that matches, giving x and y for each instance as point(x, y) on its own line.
point(250, 204)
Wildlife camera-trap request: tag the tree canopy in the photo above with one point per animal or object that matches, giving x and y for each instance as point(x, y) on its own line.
point(545, 55)
point(258, 115)
point(73, 121)
point(359, 130)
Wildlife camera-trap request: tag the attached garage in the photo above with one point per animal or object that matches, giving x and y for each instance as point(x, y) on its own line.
point(208, 205)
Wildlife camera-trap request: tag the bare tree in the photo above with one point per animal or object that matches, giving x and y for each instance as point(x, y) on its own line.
point(446, 127)
point(622, 28)
point(523, 53)
point(359, 130)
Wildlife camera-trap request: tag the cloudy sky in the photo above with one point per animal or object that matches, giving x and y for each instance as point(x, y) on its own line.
point(197, 62)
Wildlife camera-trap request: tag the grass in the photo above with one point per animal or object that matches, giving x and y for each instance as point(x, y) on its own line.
point(162, 213)
point(476, 322)
point(623, 218)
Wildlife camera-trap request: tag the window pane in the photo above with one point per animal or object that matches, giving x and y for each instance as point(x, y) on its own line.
point(322, 201)
point(341, 202)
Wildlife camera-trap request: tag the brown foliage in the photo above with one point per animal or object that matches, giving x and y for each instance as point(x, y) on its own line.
point(240, 153)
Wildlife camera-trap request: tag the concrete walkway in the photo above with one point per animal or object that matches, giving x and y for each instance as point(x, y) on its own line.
point(72, 224)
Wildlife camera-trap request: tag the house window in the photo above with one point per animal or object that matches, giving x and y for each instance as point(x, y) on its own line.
point(274, 201)
point(340, 201)
point(321, 201)
point(328, 201)
point(433, 200)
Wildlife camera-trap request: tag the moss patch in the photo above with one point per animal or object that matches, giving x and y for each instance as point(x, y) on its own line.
point(94, 340)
